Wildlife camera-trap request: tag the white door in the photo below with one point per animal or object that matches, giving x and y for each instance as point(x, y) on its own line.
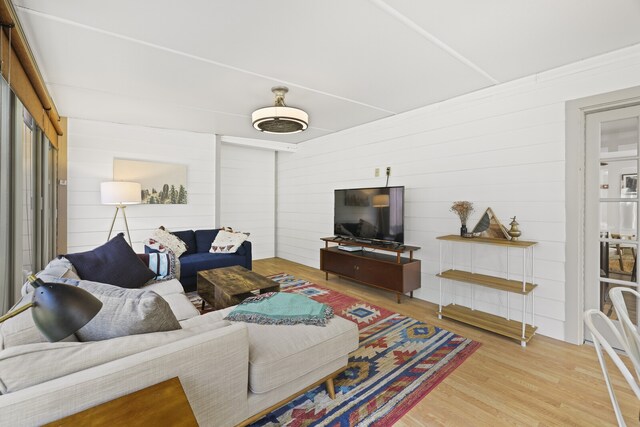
point(611, 207)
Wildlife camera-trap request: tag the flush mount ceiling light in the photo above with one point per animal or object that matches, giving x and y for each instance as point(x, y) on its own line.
point(280, 118)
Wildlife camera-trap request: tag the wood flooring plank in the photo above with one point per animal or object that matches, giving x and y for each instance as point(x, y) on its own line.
point(548, 383)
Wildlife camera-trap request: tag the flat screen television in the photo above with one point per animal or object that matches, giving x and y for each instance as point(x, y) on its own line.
point(370, 214)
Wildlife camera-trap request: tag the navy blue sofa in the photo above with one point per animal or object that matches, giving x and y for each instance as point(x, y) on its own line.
point(198, 258)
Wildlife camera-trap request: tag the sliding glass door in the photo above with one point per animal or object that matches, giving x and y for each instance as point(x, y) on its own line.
point(28, 173)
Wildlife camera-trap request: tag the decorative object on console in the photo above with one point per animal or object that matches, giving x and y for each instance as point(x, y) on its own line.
point(463, 209)
point(490, 226)
point(162, 183)
point(280, 118)
point(227, 241)
point(120, 194)
point(162, 240)
point(98, 264)
point(514, 231)
point(58, 310)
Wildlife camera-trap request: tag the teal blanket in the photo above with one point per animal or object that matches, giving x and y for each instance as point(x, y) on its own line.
point(281, 308)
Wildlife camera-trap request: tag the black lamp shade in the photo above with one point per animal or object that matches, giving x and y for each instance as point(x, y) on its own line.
point(60, 310)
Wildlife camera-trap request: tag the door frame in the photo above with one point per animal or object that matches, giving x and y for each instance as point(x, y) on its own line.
point(575, 141)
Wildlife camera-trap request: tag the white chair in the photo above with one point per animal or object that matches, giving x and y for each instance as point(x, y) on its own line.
point(629, 328)
point(599, 342)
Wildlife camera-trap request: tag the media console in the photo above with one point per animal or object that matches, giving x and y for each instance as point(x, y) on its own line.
point(394, 273)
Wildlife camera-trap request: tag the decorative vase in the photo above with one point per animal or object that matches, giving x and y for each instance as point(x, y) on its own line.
point(514, 231)
point(463, 230)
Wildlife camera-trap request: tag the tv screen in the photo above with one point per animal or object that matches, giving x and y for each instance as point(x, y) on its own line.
point(371, 214)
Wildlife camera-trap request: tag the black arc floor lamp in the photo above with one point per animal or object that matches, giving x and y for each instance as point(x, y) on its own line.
point(59, 310)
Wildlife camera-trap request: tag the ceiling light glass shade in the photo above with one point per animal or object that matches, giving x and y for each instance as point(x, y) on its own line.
point(280, 120)
point(120, 193)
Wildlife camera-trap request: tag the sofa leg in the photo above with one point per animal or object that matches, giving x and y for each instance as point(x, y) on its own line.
point(330, 390)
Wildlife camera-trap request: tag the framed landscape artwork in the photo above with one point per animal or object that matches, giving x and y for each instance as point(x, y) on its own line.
point(162, 183)
point(356, 198)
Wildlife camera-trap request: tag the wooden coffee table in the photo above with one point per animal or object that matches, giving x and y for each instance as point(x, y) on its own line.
point(227, 286)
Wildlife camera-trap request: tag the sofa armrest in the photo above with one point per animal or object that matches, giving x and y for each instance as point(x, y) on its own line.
point(248, 256)
point(212, 367)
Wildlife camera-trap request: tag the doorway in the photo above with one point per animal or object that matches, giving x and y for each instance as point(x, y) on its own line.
point(611, 207)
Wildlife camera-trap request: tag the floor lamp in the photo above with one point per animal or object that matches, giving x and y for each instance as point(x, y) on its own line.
point(120, 194)
point(380, 201)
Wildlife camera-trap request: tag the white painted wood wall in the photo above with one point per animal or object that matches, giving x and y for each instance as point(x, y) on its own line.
point(92, 146)
point(247, 195)
point(503, 147)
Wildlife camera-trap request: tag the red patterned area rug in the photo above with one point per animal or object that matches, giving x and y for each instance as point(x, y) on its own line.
point(399, 361)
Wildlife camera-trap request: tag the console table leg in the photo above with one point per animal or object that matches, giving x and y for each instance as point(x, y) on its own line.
point(411, 294)
point(398, 297)
point(326, 276)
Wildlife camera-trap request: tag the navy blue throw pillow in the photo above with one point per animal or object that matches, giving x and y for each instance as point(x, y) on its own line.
point(114, 263)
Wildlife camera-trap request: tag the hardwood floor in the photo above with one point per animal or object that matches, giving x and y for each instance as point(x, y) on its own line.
point(548, 383)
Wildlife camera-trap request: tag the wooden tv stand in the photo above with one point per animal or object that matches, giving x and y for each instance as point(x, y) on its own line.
point(391, 272)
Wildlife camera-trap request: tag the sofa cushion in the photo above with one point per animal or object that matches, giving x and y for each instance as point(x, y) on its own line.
point(210, 317)
point(227, 242)
point(204, 238)
point(32, 364)
point(126, 312)
point(189, 239)
point(181, 306)
point(276, 358)
point(166, 287)
point(114, 263)
point(58, 268)
point(198, 262)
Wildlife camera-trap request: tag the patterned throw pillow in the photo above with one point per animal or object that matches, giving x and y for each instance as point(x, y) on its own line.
point(164, 265)
point(227, 242)
point(162, 240)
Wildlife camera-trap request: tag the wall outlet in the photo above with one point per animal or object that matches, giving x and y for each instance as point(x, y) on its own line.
point(388, 170)
point(377, 172)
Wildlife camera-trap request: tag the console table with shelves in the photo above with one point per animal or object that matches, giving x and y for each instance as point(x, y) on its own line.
point(519, 330)
point(394, 273)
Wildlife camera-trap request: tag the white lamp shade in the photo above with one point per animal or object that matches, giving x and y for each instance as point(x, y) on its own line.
point(120, 193)
point(380, 201)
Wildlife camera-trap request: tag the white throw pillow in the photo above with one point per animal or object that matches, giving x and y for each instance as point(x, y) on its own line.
point(162, 240)
point(227, 242)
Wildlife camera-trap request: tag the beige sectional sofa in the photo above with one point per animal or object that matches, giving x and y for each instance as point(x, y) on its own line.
point(230, 371)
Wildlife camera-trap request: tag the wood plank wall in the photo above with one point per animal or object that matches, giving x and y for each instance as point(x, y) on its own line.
point(247, 199)
point(92, 146)
point(503, 147)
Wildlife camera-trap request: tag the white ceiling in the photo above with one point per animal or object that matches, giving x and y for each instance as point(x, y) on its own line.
point(205, 65)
